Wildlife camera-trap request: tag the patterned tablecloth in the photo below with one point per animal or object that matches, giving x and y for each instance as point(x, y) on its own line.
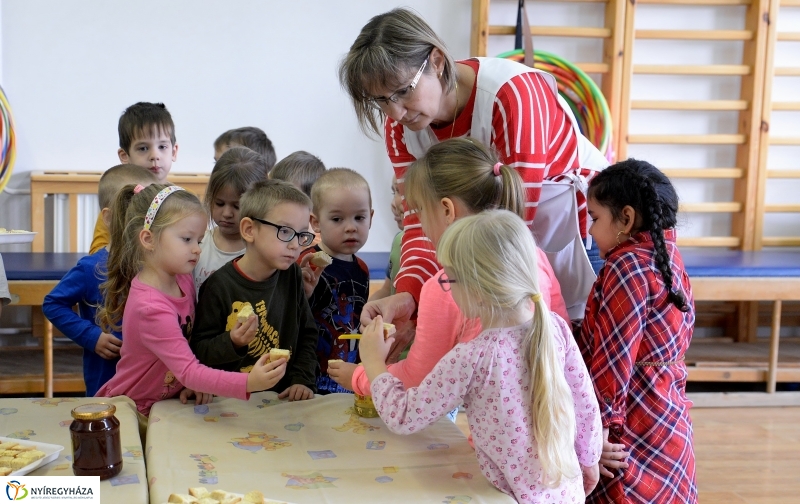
point(308, 452)
point(48, 420)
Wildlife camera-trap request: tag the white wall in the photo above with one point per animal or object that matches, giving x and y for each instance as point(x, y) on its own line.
point(70, 68)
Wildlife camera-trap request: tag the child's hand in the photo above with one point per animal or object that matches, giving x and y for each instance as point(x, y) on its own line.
point(265, 375)
point(374, 349)
point(108, 346)
point(613, 456)
point(296, 392)
point(591, 476)
point(200, 397)
point(311, 274)
point(342, 373)
point(243, 334)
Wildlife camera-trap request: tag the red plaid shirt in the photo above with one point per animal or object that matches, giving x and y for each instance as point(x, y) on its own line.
point(633, 341)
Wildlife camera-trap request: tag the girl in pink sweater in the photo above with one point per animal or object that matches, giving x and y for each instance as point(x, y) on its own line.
point(530, 404)
point(456, 178)
point(155, 244)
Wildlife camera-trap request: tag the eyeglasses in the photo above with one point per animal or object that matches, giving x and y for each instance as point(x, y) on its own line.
point(445, 282)
point(286, 234)
point(401, 94)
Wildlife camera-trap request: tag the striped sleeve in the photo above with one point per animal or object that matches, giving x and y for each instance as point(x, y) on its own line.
point(417, 254)
point(534, 135)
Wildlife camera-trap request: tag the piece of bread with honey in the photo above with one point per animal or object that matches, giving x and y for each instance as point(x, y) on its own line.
point(279, 353)
point(321, 259)
point(388, 330)
point(244, 313)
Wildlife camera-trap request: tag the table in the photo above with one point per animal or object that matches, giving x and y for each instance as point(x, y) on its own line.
point(31, 276)
point(732, 275)
point(308, 452)
point(47, 421)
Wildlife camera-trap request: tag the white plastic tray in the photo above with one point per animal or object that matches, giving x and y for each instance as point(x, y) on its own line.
point(26, 237)
point(51, 453)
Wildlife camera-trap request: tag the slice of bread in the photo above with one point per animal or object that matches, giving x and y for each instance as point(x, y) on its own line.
point(181, 499)
point(199, 492)
point(278, 353)
point(321, 259)
point(254, 497)
point(244, 313)
point(388, 330)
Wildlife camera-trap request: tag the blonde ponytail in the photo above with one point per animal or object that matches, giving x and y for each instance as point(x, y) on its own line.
point(493, 256)
point(551, 401)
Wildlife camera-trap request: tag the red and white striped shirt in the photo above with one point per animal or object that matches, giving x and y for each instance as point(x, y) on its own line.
point(530, 132)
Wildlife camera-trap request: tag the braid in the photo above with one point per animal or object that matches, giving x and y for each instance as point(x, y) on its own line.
point(657, 233)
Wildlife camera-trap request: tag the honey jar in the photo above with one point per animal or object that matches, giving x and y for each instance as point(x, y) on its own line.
point(96, 446)
point(365, 407)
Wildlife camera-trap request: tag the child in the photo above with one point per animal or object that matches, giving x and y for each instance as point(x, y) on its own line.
point(81, 286)
point(637, 328)
point(300, 168)
point(237, 169)
point(146, 139)
point(387, 289)
point(342, 217)
point(274, 226)
point(456, 178)
point(526, 390)
point(251, 137)
point(156, 232)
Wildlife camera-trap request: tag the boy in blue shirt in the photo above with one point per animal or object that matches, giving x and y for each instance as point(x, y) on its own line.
point(81, 286)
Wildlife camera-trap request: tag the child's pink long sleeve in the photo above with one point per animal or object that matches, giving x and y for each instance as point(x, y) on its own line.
point(156, 361)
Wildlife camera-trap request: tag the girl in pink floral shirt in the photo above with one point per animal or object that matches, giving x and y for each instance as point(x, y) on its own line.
point(530, 404)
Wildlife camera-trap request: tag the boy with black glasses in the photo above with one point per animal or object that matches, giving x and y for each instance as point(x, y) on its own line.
point(267, 284)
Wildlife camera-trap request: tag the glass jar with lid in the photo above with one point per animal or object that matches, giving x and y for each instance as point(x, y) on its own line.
point(96, 446)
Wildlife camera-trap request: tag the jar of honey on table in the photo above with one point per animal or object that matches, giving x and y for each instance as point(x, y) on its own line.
point(96, 446)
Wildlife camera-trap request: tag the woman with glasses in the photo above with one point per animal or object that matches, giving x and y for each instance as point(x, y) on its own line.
point(403, 83)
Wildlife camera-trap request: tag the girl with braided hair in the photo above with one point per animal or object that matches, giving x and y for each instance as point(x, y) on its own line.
point(638, 324)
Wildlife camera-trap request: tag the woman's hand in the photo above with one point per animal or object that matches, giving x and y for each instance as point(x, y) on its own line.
point(613, 456)
point(243, 333)
point(395, 309)
point(311, 274)
point(398, 310)
point(374, 349)
point(342, 373)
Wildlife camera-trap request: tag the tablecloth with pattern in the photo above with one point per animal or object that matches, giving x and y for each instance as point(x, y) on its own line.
point(48, 421)
point(308, 452)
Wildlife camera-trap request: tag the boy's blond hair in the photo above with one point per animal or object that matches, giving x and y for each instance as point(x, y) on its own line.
point(301, 168)
point(117, 177)
point(337, 178)
point(262, 197)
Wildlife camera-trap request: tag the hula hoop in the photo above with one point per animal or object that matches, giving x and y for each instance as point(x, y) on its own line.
point(8, 149)
point(581, 94)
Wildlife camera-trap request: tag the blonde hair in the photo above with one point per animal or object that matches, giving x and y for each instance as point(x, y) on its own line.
point(387, 52)
point(337, 178)
point(492, 255)
point(262, 197)
point(238, 168)
point(300, 168)
point(463, 168)
point(118, 176)
point(126, 256)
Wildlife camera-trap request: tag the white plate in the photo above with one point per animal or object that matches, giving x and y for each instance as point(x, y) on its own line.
point(267, 500)
point(25, 237)
point(51, 453)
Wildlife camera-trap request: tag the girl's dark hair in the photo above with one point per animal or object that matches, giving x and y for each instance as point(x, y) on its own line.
point(239, 168)
point(648, 191)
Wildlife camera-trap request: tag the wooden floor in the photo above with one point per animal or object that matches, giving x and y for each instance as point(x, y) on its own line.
point(743, 455)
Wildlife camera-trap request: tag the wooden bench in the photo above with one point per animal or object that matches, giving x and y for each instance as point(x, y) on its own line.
point(73, 184)
point(745, 276)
